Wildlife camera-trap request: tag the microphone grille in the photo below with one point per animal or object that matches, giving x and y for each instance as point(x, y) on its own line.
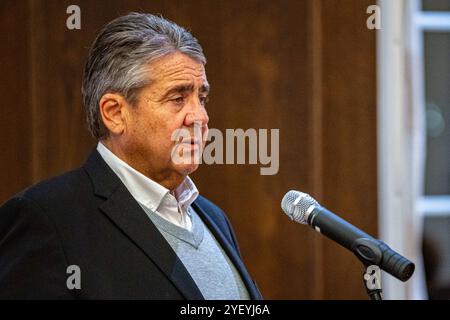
point(296, 203)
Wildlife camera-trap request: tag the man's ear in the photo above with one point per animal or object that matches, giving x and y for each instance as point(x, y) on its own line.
point(113, 109)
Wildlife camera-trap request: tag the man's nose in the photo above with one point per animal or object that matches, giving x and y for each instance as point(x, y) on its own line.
point(196, 114)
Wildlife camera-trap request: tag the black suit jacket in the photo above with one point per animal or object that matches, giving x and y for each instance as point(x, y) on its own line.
point(88, 218)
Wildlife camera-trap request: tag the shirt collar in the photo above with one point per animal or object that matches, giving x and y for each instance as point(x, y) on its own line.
point(186, 193)
point(146, 191)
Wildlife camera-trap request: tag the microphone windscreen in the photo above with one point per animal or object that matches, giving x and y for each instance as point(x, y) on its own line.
point(296, 203)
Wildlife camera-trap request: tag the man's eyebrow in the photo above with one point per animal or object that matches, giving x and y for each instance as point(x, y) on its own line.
point(183, 88)
point(180, 89)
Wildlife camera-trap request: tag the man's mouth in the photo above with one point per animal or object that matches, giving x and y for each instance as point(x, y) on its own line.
point(191, 141)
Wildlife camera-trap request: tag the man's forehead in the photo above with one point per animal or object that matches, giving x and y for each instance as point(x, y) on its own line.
point(177, 65)
point(177, 70)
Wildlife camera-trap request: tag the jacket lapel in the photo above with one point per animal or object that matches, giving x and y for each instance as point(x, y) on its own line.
point(129, 217)
point(230, 250)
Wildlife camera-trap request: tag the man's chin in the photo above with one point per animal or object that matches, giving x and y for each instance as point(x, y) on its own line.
point(186, 169)
point(187, 162)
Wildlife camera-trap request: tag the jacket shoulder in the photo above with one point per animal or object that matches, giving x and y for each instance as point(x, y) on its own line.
point(60, 189)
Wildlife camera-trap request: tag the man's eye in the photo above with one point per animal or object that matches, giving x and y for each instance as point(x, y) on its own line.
point(178, 100)
point(204, 100)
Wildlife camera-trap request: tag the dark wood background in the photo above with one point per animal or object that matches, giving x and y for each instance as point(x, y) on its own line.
point(306, 67)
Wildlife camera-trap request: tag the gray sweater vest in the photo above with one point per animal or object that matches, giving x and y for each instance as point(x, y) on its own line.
point(203, 257)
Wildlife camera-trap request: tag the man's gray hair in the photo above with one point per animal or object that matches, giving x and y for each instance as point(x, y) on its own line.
point(119, 57)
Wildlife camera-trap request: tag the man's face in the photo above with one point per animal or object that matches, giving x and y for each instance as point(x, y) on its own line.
point(174, 100)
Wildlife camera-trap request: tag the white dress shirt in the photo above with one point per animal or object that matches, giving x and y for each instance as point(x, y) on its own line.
point(172, 206)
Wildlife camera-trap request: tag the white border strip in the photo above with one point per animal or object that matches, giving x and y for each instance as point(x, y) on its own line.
point(433, 21)
point(434, 205)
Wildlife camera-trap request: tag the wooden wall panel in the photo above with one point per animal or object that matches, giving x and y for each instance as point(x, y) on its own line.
point(304, 67)
point(59, 135)
point(15, 115)
point(349, 135)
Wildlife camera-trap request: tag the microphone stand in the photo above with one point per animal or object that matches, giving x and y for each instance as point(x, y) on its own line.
point(372, 282)
point(369, 254)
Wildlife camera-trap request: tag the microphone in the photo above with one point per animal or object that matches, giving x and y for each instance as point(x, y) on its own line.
point(304, 209)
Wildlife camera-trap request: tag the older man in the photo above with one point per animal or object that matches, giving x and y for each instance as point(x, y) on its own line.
point(129, 224)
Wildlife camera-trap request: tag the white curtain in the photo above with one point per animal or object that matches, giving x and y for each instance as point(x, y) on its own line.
point(401, 141)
